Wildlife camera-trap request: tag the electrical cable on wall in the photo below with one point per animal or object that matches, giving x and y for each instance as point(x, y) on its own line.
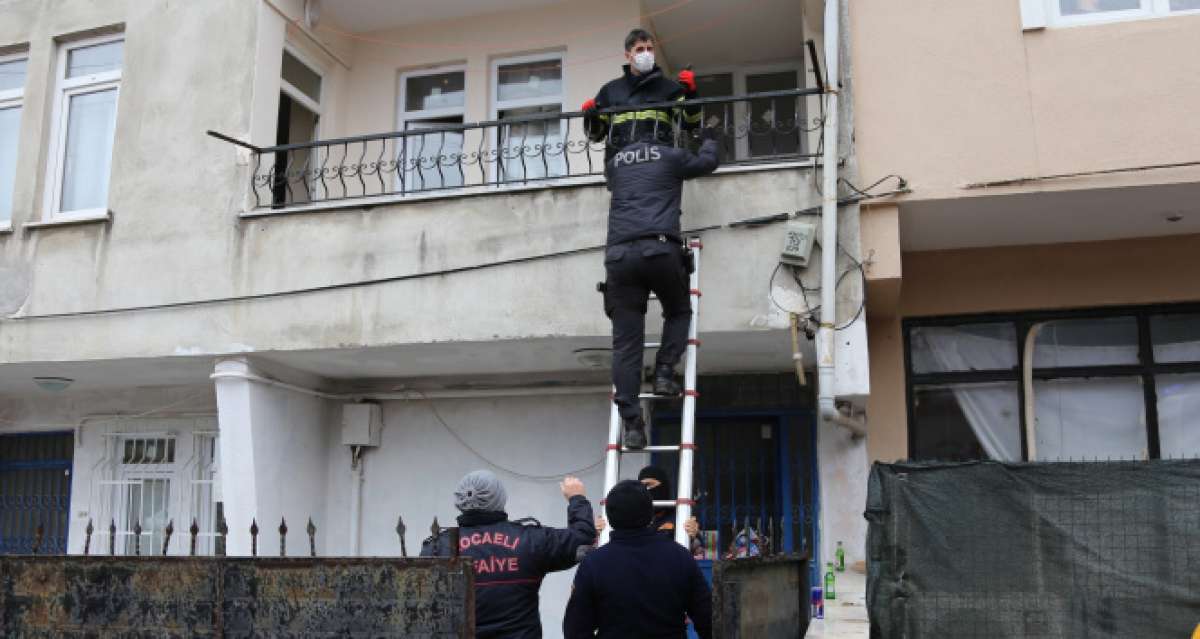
point(504, 469)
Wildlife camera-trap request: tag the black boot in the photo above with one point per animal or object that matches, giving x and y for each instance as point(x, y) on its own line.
point(664, 381)
point(635, 433)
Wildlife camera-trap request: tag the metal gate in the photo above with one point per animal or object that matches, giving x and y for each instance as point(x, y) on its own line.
point(35, 490)
point(755, 467)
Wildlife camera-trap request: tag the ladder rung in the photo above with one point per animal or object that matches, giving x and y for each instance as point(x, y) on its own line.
point(653, 344)
point(664, 503)
point(653, 396)
point(651, 449)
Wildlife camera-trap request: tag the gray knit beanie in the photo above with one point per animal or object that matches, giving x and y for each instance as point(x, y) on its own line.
point(480, 490)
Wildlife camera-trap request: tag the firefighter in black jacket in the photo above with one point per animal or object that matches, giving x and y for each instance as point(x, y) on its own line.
point(645, 253)
point(642, 83)
point(512, 557)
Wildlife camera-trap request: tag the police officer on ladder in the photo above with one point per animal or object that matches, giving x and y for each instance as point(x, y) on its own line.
point(642, 82)
point(512, 557)
point(645, 253)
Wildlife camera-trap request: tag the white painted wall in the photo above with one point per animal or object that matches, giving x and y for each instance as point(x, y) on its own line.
point(414, 472)
point(272, 459)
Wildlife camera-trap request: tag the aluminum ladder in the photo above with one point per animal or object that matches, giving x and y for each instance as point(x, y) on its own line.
point(687, 437)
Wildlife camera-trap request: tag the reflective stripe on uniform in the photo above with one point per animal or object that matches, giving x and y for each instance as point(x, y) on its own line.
point(690, 118)
point(650, 114)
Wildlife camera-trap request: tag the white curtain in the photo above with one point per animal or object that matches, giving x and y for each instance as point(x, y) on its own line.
point(88, 156)
point(1179, 414)
point(1092, 418)
point(991, 409)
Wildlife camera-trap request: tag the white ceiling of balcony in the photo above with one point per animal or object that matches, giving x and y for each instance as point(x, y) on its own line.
point(704, 33)
point(713, 33)
point(1051, 217)
point(373, 15)
point(501, 362)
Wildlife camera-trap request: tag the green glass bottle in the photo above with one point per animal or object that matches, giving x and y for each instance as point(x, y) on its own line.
point(830, 579)
point(840, 554)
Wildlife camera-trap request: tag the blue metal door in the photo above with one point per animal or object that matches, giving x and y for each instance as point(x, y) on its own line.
point(35, 490)
point(756, 466)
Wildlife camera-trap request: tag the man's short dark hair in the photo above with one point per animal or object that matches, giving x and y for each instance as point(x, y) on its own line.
point(636, 36)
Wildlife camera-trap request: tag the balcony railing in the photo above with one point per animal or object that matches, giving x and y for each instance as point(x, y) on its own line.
point(758, 128)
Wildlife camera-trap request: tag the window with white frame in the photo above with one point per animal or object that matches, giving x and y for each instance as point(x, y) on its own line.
point(85, 119)
point(761, 128)
point(522, 89)
point(152, 479)
point(300, 90)
point(1072, 12)
point(13, 70)
point(431, 99)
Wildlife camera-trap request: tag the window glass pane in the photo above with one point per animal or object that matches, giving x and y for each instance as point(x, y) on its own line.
point(441, 91)
point(1090, 418)
point(12, 74)
point(1185, 5)
point(300, 76)
point(10, 123)
point(967, 347)
point(97, 58)
point(90, 122)
point(967, 421)
point(773, 121)
point(1087, 342)
point(716, 85)
point(432, 161)
point(1178, 408)
point(1176, 337)
point(530, 80)
point(1084, 7)
point(531, 150)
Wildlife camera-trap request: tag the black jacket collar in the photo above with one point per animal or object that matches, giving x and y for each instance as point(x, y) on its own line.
point(637, 81)
point(481, 517)
point(634, 534)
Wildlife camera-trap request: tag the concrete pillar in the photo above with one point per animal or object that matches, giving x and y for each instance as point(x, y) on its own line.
point(273, 457)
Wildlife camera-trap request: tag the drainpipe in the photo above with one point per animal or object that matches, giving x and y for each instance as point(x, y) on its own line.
point(826, 405)
point(356, 483)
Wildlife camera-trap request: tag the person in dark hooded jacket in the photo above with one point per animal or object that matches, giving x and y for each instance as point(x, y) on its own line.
point(639, 584)
point(658, 482)
point(512, 557)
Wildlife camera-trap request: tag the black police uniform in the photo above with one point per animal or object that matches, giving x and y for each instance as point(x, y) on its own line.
point(646, 125)
point(645, 253)
point(511, 559)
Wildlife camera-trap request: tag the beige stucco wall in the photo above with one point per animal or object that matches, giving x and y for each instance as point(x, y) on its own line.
point(951, 92)
point(1148, 271)
point(589, 36)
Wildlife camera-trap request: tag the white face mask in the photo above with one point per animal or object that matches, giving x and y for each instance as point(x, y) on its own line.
point(643, 61)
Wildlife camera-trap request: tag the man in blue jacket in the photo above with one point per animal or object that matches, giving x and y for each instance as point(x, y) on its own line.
point(640, 584)
point(644, 252)
point(512, 557)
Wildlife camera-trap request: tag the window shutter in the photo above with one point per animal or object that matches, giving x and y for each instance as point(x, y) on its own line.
point(1033, 14)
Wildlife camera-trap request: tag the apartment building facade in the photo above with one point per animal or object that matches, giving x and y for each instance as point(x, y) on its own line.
point(399, 208)
point(1032, 298)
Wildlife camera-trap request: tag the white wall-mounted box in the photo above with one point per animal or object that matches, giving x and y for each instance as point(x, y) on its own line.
point(361, 424)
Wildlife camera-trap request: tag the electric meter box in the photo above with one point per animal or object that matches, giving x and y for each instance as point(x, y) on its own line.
point(798, 238)
point(361, 424)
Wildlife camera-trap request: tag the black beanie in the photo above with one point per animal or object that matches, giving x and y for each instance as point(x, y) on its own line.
point(628, 505)
point(662, 492)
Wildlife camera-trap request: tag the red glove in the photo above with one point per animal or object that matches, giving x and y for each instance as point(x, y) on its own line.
point(589, 105)
point(688, 79)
